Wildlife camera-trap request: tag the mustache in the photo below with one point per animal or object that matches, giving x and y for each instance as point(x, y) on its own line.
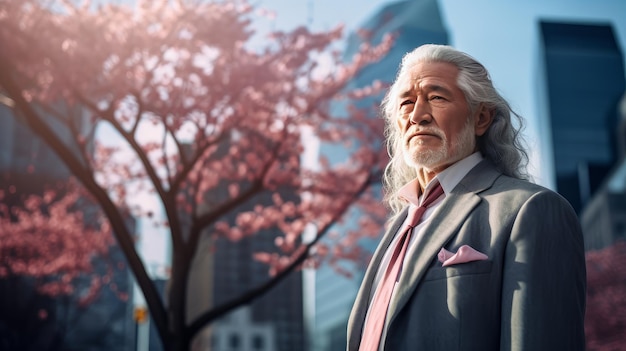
point(429, 131)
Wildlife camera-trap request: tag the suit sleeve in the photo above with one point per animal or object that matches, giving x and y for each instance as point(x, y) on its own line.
point(544, 278)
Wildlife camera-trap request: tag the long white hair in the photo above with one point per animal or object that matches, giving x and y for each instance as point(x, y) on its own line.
point(502, 143)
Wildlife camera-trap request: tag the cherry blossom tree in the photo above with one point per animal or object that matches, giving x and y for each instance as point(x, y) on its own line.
point(203, 118)
point(46, 238)
point(55, 263)
point(605, 321)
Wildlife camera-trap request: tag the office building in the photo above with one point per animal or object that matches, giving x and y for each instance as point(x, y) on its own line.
point(239, 332)
point(604, 218)
point(583, 71)
point(29, 166)
point(277, 315)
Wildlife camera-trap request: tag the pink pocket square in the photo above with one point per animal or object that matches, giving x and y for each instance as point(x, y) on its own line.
point(465, 254)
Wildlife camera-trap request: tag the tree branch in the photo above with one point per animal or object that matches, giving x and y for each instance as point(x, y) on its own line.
point(260, 290)
point(167, 199)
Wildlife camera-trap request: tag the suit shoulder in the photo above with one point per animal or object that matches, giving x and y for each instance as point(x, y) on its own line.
point(506, 182)
point(525, 191)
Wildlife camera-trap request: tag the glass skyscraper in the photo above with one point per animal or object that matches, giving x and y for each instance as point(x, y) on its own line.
point(584, 81)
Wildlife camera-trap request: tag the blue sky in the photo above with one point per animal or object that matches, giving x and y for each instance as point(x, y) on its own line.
point(503, 35)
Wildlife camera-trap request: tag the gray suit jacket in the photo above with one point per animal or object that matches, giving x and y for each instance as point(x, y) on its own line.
point(529, 294)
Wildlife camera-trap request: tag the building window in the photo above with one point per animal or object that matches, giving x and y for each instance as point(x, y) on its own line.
point(234, 342)
point(258, 343)
point(619, 230)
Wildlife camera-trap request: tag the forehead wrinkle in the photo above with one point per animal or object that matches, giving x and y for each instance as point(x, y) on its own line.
point(434, 87)
point(429, 87)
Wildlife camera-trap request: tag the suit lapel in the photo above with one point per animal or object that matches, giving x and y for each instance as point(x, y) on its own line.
point(444, 225)
point(359, 310)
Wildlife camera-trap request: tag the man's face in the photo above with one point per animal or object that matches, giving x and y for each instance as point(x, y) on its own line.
point(434, 118)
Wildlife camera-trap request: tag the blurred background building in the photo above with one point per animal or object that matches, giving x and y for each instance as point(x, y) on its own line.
point(224, 270)
point(583, 72)
point(275, 320)
point(604, 217)
point(29, 166)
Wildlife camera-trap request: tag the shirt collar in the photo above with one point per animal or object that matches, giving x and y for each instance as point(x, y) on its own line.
point(449, 178)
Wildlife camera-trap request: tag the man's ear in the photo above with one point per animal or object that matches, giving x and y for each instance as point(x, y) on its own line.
point(482, 119)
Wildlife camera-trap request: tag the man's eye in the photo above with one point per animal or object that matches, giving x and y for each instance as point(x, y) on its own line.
point(406, 102)
point(436, 97)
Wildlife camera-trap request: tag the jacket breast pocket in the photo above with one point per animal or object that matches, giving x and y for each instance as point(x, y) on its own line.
point(468, 268)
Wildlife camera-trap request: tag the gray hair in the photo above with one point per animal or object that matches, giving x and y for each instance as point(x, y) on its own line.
point(502, 144)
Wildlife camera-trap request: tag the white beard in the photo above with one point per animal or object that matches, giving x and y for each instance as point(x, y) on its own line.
point(446, 154)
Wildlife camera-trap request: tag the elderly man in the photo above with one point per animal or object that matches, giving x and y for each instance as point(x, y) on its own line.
point(476, 257)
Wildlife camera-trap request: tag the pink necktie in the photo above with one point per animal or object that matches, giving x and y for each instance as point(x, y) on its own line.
point(372, 332)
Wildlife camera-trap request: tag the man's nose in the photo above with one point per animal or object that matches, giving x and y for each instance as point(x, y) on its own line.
point(421, 113)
